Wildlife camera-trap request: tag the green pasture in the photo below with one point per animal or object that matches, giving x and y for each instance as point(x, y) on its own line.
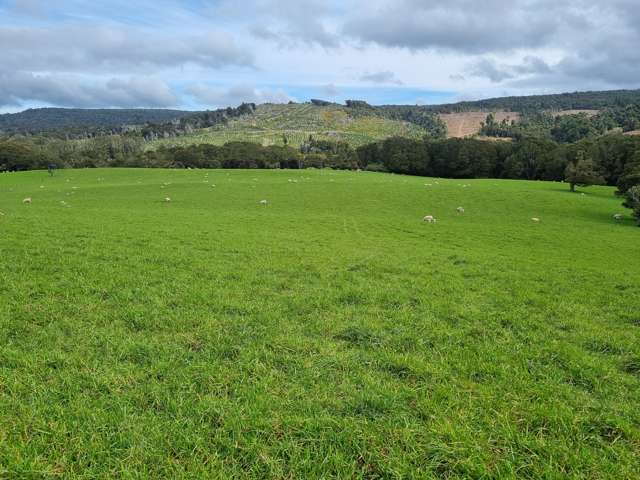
point(330, 333)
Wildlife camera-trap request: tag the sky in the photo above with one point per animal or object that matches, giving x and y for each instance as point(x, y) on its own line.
point(206, 54)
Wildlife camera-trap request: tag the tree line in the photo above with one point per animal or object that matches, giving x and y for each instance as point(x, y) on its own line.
point(610, 159)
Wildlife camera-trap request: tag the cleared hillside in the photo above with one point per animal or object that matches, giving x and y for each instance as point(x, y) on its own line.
point(466, 124)
point(271, 124)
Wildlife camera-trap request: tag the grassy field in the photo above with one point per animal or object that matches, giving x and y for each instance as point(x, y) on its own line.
point(297, 121)
point(329, 334)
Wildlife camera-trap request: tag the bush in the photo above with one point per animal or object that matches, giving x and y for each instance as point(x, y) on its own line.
point(633, 201)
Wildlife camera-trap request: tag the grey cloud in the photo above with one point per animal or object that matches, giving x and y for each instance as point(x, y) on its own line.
point(89, 49)
point(594, 41)
point(488, 69)
point(17, 88)
point(222, 97)
point(460, 25)
point(292, 22)
point(385, 77)
point(530, 65)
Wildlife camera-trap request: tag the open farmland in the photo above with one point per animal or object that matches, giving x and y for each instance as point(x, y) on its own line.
point(330, 333)
point(271, 123)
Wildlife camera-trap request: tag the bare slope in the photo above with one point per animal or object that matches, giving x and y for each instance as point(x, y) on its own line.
point(467, 124)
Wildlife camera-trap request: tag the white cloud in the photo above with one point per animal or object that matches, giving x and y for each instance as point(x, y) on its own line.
point(234, 96)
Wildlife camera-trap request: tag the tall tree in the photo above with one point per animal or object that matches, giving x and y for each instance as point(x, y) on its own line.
point(582, 172)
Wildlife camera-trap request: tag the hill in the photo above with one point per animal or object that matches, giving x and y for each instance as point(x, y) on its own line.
point(597, 100)
point(329, 334)
point(47, 119)
point(273, 124)
point(356, 122)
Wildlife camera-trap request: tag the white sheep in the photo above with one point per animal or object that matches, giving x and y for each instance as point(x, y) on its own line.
point(535, 220)
point(263, 202)
point(618, 217)
point(429, 218)
point(27, 200)
point(460, 210)
point(167, 199)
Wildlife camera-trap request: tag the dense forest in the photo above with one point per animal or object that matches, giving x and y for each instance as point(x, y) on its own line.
point(37, 120)
point(553, 102)
point(73, 124)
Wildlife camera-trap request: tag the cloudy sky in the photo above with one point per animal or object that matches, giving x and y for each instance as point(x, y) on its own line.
point(197, 54)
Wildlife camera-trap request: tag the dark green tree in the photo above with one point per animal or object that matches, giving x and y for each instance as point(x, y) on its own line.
point(582, 172)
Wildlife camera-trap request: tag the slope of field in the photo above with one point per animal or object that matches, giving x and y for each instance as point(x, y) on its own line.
point(271, 123)
point(329, 334)
point(467, 124)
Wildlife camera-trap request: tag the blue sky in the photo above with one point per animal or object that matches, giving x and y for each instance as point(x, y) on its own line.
point(213, 53)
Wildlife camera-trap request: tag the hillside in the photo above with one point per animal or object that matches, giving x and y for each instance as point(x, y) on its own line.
point(44, 119)
point(356, 122)
point(270, 124)
point(597, 100)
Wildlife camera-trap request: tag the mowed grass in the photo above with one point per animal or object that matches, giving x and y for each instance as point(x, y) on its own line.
point(329, 334)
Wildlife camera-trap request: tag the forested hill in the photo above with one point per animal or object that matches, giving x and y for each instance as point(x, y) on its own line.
point(554, 102)
point(153, 124)
point(43, 119)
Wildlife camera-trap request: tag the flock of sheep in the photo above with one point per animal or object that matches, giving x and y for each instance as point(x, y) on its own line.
point(427, 218)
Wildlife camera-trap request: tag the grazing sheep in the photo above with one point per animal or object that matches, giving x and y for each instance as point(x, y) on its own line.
point(618, 217)
point(460, 210)
point(429, 218)
point(27, 200)
point(536, 220)
point(167, 199)
point(263, 202)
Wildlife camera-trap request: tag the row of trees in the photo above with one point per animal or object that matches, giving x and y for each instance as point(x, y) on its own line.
point(612, 159)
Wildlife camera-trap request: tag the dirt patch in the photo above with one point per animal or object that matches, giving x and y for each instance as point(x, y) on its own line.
point(467, 124)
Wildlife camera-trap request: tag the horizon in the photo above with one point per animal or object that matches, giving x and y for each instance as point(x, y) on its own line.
point(207, 54)
point(306, 101)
